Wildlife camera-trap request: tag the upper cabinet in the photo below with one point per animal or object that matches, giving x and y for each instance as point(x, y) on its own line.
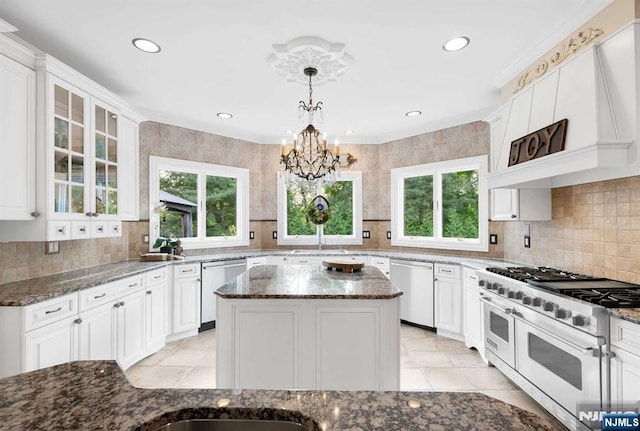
point(17, 140)
point(79, 177)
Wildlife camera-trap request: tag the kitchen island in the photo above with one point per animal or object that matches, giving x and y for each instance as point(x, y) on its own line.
point(95, 395)
point(305, 327)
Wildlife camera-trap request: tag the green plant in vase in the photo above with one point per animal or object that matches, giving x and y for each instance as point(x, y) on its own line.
point(166, 244)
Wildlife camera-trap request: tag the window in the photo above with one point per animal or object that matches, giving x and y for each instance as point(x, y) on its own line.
point(345, 199)
point(204, 205)
point(441, 205)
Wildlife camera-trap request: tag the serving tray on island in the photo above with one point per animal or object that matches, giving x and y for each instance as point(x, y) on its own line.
point(342, 266)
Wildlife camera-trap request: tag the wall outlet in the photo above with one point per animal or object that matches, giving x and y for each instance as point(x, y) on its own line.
point(366, 234)
point(527, 241)
point(252, 234)
point(52, 247)
point(493, 238)
point(145, 239)
point(274, 234)
point(388, 234)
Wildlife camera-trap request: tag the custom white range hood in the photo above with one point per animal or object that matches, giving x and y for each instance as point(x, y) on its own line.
point(597, 91)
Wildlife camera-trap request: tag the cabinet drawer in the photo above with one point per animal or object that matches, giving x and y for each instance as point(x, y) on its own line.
point(451, 271)
point(53, 310)
point(109, 292)
point(626, 335)
point(314, 260)
point(255, 261)
point(469, 275)
point(80, 229)
point(155, 277)
point(58, 230)
point(379, 262)
point(184, 271)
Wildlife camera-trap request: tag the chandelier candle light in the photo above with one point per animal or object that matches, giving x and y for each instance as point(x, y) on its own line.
point(309, 158)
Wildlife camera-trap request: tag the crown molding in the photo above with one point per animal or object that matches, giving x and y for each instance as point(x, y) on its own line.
point(18, 50)
point(5, 27)
point(580, 16)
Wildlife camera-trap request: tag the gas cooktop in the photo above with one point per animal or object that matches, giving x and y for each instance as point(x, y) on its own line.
point(601, 291)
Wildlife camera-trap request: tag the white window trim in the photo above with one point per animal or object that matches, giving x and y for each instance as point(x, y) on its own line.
point(242, 201)
point(397, 205)
point(355, 239)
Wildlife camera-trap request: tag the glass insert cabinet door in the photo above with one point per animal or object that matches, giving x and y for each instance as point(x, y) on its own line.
point(70, 125)
point(105, 148)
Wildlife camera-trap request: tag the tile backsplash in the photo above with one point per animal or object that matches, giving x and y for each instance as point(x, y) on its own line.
point(595, 230)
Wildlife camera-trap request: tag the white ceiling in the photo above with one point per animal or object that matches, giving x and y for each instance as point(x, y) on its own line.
point(214, 57)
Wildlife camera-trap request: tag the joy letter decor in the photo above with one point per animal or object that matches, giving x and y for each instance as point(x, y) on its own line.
point(540, 143)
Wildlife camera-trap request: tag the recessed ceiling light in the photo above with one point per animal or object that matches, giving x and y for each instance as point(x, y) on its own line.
point(146, 45)
point(413, 113)
point(224, 115)
point(349, 132)
point(456, 44)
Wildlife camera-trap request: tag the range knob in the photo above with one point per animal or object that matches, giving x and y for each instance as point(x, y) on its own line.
point(481, 282)
point(549, 306)
point(491, 286)
point(526, 300)
point(580, 320)
point(502, 290)
point(519, 295)
point(562, 313)
point(512, 294)
point(537, 302)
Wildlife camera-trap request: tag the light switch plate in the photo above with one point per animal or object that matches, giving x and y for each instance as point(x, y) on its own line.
point(388, 234)
point(366, 234)
point(52, 247)
point(527, 241)
point(252, 234)
point(274, 234)
point(493, 238)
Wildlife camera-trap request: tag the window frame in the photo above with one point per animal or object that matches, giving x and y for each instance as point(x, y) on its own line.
point(202, 170)
point(437, 169)
point(356, 239)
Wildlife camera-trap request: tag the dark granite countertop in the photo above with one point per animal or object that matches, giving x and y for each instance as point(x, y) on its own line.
point(308, 281)
point(95, 395)
point(25, 292)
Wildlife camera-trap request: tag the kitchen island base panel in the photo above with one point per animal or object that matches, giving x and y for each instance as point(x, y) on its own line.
point(308, 344)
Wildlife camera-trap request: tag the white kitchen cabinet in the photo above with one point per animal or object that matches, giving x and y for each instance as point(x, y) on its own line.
point(525, 204)
point(472, 311)
point(415, 280)
point(85, 165)
point(185, 301)
point(256, 261)
point(130, 329)
point(625, 363)
point(17, 140)
point(155, 311)
point(97, 333)
point(51, 345)
point(382, 263)
point(448, 300)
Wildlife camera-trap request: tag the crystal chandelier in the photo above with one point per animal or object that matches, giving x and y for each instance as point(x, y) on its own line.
point(309, 158)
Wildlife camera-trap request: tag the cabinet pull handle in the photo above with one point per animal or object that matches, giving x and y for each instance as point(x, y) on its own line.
point(473, 277)
point(122, 303)
point(95, 214)
point(78, 320)
point(100, 296)
point(157, 276)
point(117, 305)
point(83, 229)
point(61, 230)
point(134, 284)
point(53, 311)
point(89, 214)
point(149, 292)
point(100, 229)
point(445, 270)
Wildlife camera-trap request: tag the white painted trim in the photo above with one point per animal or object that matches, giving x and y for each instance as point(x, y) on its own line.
point(355, 239)
point(5, 27)
point(242, 201)
point(18, 50)
point(436, 169)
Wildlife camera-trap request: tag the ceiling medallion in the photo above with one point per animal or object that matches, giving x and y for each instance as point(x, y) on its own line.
point(576, 42)
point(329, 59)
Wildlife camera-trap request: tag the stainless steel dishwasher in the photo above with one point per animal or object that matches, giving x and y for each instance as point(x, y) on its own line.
point(214, 275)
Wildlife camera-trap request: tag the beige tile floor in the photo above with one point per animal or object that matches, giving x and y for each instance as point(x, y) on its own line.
point(428, 363)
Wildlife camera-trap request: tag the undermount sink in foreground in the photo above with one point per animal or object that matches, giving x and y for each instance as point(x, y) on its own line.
point(232, 425)
point(312, 251)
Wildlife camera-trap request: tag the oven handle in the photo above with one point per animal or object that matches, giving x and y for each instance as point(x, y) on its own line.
point(594, 351)
point(511, 311)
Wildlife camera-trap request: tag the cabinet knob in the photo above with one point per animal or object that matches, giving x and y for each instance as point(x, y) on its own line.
point(197, 279)
point(149, 292)
point(95, 214)
point(513, 216)
point(117, 305)
point(122, 303)
point(78, 320)
point(83, 230)
point(89, 214)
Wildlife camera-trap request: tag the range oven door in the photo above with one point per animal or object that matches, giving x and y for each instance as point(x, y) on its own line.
point(565, 364)
point(499, 332)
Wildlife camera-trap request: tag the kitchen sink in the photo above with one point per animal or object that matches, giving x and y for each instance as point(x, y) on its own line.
point(232, 425)
point(312, 251)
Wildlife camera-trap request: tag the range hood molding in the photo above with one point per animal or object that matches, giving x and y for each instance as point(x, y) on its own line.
point(598, 92)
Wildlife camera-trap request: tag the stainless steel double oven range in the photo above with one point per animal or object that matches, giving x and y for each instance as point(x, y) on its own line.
point(548, 331)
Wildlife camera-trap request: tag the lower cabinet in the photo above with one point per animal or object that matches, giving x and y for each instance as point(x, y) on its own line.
point(155, 312)
point(448, 300)
point(185, 300)
point(472, 311)
point(96, 329)
point(130, 329)
point(51, 345)
point(625, 363)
